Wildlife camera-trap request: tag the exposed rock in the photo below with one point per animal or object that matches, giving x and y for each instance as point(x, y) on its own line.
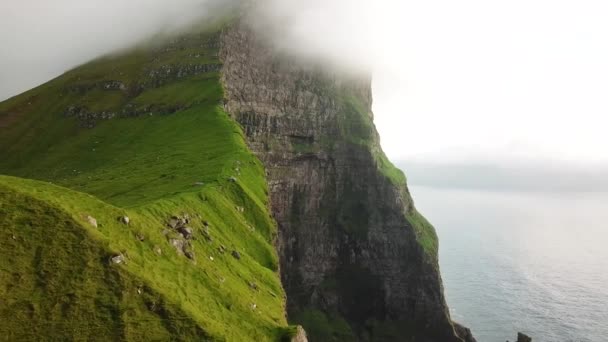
point(521, 337)
point(82, 88)
point(189, 254)
point(173, 222)
point(118, 259)
point(166, 73)
point(464, 333)
point(236, 255)
point(186, 232)
point(92, 221)
point(140, 237)
point(87, 118)
point(232, 179)
point(124, 220)
point(113, 85)
point(178, 244)
point(341, 219)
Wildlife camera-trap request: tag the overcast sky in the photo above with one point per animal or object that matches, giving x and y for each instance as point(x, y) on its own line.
point(468, 80)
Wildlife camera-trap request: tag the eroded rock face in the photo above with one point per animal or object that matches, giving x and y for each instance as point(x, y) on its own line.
point(345, 245)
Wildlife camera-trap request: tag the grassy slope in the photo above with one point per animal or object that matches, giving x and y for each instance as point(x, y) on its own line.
point(144, 167)
point(56, 282)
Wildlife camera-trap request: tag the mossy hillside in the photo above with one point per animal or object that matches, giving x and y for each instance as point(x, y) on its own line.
point(148, 167)
point(57, 279)
point(425, 233)
point(215, 294)
point(358, 128)
point(148, 151)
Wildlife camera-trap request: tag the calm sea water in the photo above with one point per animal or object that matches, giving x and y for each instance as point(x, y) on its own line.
point(530, 262)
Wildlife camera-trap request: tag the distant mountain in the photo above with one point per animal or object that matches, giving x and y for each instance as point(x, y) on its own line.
point(518, 176)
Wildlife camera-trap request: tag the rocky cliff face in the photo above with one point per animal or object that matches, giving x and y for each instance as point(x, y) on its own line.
point(352, 247)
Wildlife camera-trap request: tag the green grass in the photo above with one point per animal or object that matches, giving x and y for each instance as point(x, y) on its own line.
point(388, 169)
point(56, 282)
point(148, 167)
point(214, 294)
point(425, 233)
point(358, 128)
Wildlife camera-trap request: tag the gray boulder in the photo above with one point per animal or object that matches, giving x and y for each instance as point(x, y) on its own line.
point(186, 232)
point(118, 259)
point(124, 219)
point(92, 221)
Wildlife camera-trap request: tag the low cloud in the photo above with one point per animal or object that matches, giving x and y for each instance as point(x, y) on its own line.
point(452, 79)
point(41, 39)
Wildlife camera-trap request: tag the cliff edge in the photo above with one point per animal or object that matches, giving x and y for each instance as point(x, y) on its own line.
point(358, 262)
point(144, 188)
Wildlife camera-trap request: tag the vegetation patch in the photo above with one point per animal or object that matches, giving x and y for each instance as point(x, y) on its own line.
point(82, 270)
point(320, 326)
point(425, 233)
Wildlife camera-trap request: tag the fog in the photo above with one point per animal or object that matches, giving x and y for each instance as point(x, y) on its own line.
point(470, 81)
point(41, 39)
point(545, 177)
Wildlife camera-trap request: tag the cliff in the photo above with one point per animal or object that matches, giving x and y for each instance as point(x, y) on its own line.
point(209, 187)
point(357, 260)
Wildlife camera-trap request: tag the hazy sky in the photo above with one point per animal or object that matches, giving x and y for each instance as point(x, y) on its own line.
point(453, 80)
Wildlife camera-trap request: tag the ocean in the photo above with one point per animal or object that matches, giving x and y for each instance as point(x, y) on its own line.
point(516, 261)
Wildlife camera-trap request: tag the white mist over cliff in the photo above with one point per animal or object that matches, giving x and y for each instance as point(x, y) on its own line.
point(453, 81)
point(469, 80)
point(41, 39)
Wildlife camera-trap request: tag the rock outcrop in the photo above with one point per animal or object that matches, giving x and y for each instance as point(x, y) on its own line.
point(351, 243)
point(300, 335)
point(521, 337)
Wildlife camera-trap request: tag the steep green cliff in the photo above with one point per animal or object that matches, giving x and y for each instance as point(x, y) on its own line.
point(171, 192)
point(358, 262)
